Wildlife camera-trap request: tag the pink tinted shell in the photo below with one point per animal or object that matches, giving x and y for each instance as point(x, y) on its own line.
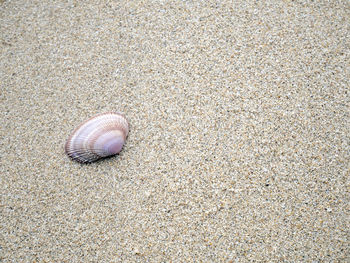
point(98, 137)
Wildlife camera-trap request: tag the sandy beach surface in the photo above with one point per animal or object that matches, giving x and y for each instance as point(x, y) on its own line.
point(239, 143)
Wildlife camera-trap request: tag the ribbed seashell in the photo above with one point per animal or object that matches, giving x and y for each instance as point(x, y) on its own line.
point(100, 136)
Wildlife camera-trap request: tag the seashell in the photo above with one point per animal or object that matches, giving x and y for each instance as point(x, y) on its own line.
point(98, 137)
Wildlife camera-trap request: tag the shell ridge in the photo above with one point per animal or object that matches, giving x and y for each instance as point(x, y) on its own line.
point(87, 152)
point(83, 155)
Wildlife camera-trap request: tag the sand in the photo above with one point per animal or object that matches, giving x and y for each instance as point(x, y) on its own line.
point(239, 131)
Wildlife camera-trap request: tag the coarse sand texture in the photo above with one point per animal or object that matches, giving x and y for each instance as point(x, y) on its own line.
point(239, 131)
